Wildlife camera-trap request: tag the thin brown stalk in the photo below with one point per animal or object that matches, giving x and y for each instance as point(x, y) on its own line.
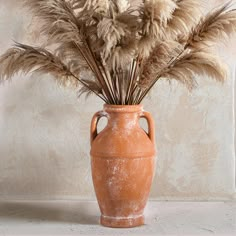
point(90, 62)
point(89, 88)
point(108, 81)
point(130, 80)
point(99, 74)
point(133, 81)
point(137, 96)
point(115, 86)
point(120, 88)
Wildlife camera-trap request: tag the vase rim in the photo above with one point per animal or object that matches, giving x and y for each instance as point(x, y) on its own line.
point(122, 108)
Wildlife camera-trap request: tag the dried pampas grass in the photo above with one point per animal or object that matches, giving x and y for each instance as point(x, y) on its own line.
point(156, 14)
point(220, 23)
point(58, 20)
point(161, 55)
point(185, 69)
point(185, 16)
point(124, 47)
point(28, 59)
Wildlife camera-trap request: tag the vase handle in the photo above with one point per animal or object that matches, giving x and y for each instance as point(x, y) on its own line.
point(151, 125)
point(93, 128)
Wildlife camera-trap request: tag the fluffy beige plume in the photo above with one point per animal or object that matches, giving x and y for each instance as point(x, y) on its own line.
point(122, 56)
point(71, 53)
point(134, 4)
point(111, 32)
point(145, 46)
point(75, 3)
point(59, 20)
point(156, 14)
point(28, 59)
point(97, 6)
point(123, 43)
point(161, 55)
point(122, 5)
point(188, 66)
point(185, 16)
point(219, 24)
point(117, 32)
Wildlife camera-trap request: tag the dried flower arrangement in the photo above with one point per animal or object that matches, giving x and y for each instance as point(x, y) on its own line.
point(127, 46)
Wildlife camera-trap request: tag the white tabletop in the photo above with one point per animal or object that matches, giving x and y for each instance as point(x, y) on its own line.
point(82, 218)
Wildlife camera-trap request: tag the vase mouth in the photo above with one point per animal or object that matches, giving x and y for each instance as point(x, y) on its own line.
point(123, 108)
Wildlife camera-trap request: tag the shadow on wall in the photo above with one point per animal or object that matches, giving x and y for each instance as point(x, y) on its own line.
point(43, 147)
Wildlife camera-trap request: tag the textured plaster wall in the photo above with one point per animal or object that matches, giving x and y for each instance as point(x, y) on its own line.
point(44, 132)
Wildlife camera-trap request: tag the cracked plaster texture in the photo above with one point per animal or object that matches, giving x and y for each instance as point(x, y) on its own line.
point(44, 131)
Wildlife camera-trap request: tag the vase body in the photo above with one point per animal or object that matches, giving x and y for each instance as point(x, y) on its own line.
point(122, 162)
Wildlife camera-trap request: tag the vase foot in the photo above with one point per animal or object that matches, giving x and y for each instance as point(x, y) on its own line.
point(122, 222)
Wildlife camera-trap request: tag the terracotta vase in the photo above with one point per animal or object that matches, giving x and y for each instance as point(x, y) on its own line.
point(122, 160)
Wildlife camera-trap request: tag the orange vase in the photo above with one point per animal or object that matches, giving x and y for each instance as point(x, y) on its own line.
point(122, 160)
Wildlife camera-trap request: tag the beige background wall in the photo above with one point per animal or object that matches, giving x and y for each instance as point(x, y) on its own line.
point(44, 132)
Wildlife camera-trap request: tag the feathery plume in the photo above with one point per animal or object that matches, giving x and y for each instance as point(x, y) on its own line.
point(122, 5)
point(111, 32)
point(188, 66)
point(145, 46)
point(126, 46)
point(58, 19)
point(161, 55)
point(98, 6)
point(70, 52)
point(219, 24)
point(121, 57)
point(28, 59)
point(156, 14)
point(185, 16)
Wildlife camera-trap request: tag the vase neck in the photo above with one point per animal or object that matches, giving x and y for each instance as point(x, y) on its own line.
point(123, 120)
point(123, 117)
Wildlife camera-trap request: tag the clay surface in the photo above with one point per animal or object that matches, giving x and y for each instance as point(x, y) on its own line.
point(123, 161)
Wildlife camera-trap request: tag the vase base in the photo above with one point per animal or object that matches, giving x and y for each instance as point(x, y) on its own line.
point(122, 222)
